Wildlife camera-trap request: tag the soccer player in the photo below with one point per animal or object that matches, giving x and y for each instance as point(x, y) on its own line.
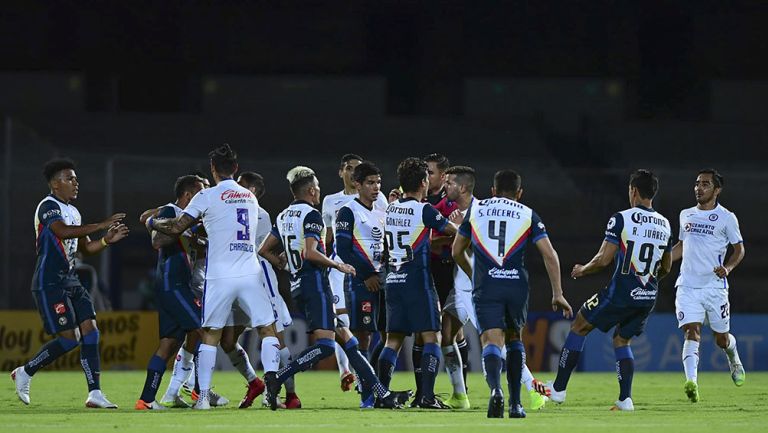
point(499, 229)
point(177, 307)
point(412, 303)
point(254, 182)
point(230, 217)
point(638, 240)
point(330, 209)
point(706, 230)
point(64, 305)
point(300, 231)
point(360, 243)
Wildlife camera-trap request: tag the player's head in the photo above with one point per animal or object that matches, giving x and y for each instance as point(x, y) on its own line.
point(304, 184)
point(413, 177)
point(253, 182)
point(709, 184)
point(437, 164)
point(643, 185)
point(367, 178)
point(185, 188)
point(61, 178)
point(507, 183)
point(459, 180)
point(203, 178)
point(223, 161)
point(348, 163)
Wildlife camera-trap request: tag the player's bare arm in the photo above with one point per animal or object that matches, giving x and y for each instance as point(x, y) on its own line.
point(736, 257)
point(329, 240)
point(666, 265)
point(320, 259)
point(64, 231)
point(677, 251)
point(172, 226)
point(115, 233)
point(148, 213)
point(459, 253)
point(552, 264)
point(268, 248)
point(602, 259)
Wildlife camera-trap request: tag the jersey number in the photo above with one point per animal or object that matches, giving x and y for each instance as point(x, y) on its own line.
point(242, 219)
point(500, 237)
point(292, 254)
point(645, 255)
point(405, 247)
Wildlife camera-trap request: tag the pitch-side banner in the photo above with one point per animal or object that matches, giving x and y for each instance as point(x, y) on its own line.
point(128, 340)
point(660, 347)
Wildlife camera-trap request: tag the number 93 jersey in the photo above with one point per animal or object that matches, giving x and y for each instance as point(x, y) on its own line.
point(500, 230)
point(643, 236)
point(407, 231)
point(230, 215)
point(293, 226)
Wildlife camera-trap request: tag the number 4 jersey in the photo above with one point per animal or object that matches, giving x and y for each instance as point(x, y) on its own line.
point(643, 236)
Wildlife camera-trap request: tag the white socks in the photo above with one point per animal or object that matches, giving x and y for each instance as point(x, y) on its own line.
point(242, 363)
point(452, 360)
point(527, 377)
point(285, 359)
point(691, 359)
point(731, 351)
point(341, 358)
point(206, 362)
point(183, 367)
point(270, 354)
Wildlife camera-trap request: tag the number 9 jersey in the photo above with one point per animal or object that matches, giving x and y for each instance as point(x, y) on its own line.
point(643, 236)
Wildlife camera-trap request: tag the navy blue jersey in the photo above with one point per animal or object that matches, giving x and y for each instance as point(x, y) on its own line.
point(293, 226)
point(500, 230)
point(174, 263)
point(407, 228)
point(643, 236)
point(55, 257)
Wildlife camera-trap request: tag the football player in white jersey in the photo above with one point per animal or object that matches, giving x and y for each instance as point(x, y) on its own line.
point(254, 182)
point(230, 217)
point(299, 231)
point(330, 210)
point(638, 240)
point(706, 230)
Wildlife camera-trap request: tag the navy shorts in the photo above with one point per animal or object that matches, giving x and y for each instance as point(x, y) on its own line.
point(362, 305)
point(178, 312)
point(412, 303)
point(502, 308)
point(314, 298)
point(602, 314)
point(63, 308)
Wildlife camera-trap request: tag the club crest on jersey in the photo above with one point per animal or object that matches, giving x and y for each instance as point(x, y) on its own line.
point(60, 308)
point(63, 320)
point(713, 217)
point(366, 320)
point(335, 299)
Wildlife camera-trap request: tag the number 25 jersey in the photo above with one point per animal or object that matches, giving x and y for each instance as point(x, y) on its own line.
point(407, 229)
point(643, 236)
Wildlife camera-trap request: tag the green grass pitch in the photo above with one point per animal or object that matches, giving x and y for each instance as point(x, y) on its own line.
point(660, 407)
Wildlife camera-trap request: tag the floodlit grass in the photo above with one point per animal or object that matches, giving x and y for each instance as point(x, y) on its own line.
point(660, 407)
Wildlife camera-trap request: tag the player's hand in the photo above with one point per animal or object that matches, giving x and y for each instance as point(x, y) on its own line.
point(456, 217)
point(395, 194)
point(146, 214)
point(372, 283)
point(116, 233)
point(577, 272)
point(560, 302)
point(721, 271)
point(109, 222)
point(345, 268)
point(283, 261)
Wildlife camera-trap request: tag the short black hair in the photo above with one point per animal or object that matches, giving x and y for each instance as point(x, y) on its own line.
point(717, 178)
point(224, 159)
point(410, 173)
point(203, 177)
point(255, 181)
point(646, 182)
point(363, 170)
point(507, 181)
point(54, 166)
point(464, 175)
point(185, 184)
point(349, 157)
point(440, 160)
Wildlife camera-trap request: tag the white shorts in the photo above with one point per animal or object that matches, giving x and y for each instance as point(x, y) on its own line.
point(247, 292)
point(705, 306)
point(283, 318)
point(336, 280)
point(459, 302)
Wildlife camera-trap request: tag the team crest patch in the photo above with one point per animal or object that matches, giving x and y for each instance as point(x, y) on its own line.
point(60, 308)
point(62, 320)
point(366, 307)
point(335, 299)
point(713, 217)
point(680, 315)
point(367, 320)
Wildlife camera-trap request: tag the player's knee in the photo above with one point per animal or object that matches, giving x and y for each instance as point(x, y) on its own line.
point(619, 341)
point(721, 340)
point(692, 332)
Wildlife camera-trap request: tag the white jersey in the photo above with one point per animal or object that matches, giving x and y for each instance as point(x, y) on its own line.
point(333, 202)
point(263, 228)
point(230, 217)
point(705, 235)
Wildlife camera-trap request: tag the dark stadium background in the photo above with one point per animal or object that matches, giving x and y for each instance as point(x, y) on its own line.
point(573, 95)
